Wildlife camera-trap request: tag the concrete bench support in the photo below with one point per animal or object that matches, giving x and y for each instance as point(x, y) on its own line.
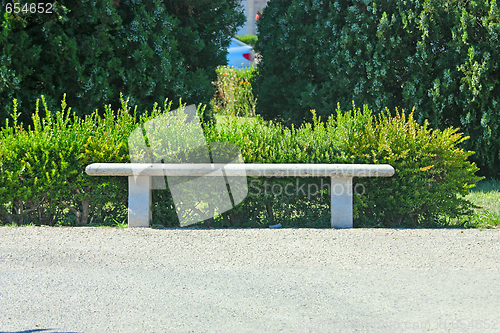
point(139, 201)
point(341, 202)
point(140, 181)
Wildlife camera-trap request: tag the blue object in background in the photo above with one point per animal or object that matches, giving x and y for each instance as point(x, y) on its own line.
point(240, 55)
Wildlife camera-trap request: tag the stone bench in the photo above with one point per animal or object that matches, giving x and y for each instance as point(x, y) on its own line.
point(140, 181)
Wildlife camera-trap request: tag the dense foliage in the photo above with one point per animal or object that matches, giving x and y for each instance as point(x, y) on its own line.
point(234, 93)
point(432, 172)
point(42, 169)
point(43, 179)
point(439, 57)
point(248, 39)
point(93, 50)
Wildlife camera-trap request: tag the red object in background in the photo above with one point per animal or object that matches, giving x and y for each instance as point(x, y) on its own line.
point(247, 56)
point(257, 16)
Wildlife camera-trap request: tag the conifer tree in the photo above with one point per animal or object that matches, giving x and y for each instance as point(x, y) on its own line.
point(93, 50)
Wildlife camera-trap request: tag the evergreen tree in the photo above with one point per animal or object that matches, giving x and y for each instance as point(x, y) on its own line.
point(93, 50)
point(439, 57)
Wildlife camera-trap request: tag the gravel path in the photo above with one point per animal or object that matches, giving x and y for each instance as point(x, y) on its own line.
point(249, 280)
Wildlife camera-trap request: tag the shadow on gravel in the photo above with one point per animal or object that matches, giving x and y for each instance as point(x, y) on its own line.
point(49, 330)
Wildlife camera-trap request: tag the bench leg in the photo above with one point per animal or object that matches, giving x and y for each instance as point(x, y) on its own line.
point(139, 201)
point(341, 202)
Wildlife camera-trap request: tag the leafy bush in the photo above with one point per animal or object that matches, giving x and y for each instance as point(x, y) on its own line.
point(432, 172)
point(248, 39)
point(42, 177)
point(95, 50)
point(439, 57)
point(234, 94)
point(42, 169)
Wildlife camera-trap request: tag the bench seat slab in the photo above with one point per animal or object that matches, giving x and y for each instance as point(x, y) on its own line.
point(140, 182)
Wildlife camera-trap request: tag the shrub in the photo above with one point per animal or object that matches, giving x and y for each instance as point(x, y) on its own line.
point(439, 57)
point(248, 39)
point(234, 94)
point(432, 172)
point(42, 169)
point(95, 50)
point(42, 177)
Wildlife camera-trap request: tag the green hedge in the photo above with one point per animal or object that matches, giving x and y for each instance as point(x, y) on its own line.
point(93, 50)
point(439, 57)
point(42, 169)
point(248, 39)
point(432, 172)
point(43, 180)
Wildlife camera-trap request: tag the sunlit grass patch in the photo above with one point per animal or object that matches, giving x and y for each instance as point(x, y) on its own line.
point(486, 195)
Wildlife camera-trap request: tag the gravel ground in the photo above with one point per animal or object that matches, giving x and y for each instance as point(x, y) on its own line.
point(249, 280)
